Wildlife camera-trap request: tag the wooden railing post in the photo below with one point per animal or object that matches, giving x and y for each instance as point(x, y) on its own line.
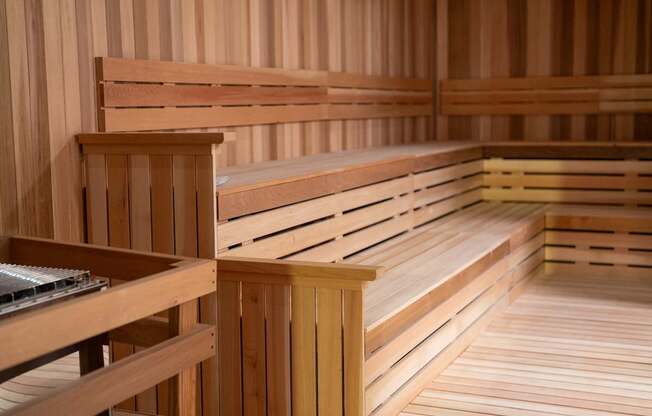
point(183, 391)
point(91, 358)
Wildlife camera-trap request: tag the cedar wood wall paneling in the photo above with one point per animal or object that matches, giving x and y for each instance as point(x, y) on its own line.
point(47, 92)
point(47, 85)
point(519, 38)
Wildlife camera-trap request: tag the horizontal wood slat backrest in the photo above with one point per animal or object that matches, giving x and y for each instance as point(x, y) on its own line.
point(596, 242)
point(625, 182)
point(365, 209)
point(547, 95)
point(136, 95)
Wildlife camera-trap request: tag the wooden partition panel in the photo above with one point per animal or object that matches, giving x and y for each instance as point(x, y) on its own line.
point(136, 182)
point(156, 95)
point(547, 95)
point(291, 337)
point(155, 192)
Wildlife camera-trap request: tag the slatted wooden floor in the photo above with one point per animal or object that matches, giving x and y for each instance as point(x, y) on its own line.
point(567, 346)
point(40, 381)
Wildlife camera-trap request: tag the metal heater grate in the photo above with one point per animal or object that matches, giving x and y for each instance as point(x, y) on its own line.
point(23, 287)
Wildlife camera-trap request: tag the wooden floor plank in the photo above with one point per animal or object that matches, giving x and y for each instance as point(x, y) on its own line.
point(40, 381)
point(570, 345)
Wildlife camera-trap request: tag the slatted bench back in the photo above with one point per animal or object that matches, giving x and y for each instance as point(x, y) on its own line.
point(599, 241)
point(136, 95)
point(618, 174)
point(328, 216)
point(547, 95)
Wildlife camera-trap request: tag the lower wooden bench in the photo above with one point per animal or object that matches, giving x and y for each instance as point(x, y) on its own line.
point(359, 335)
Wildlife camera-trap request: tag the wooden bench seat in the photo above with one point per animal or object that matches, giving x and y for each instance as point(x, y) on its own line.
point(364, 274)
point(432, 276)
point(425, 266)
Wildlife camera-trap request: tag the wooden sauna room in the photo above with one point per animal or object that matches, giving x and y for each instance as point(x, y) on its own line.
point(326, 207)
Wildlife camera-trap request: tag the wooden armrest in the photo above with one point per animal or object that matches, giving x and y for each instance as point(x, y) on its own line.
point(302, 273)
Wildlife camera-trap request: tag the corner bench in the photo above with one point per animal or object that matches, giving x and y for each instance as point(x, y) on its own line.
point(431, 275)
point(348, 281)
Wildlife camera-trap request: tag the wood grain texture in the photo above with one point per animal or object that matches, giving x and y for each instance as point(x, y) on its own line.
point(603, 37)
point(548, 37)
point(542, 357)
point(548, 95)
point(154, 95)
point(48, 78)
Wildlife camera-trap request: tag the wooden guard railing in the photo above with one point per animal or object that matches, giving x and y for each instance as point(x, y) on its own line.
point(136, 95)
point(547, 95)
point(291, 337)
point(154, 283)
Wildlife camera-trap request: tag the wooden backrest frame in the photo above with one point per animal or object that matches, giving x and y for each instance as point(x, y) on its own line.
point(547, 95)
point(616, 174)
point(138, 95)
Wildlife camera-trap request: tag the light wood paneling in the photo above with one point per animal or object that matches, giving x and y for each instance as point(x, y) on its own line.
point(47, 80)
point(520, 38)
point(548, 95)
point(570, 344)
point(47, 92)
point(607, 182)
point(273, 307)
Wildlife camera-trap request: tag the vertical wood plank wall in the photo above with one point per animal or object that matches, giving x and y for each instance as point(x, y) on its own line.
point(519, 38)
point(47, 92)
point(47, 87)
